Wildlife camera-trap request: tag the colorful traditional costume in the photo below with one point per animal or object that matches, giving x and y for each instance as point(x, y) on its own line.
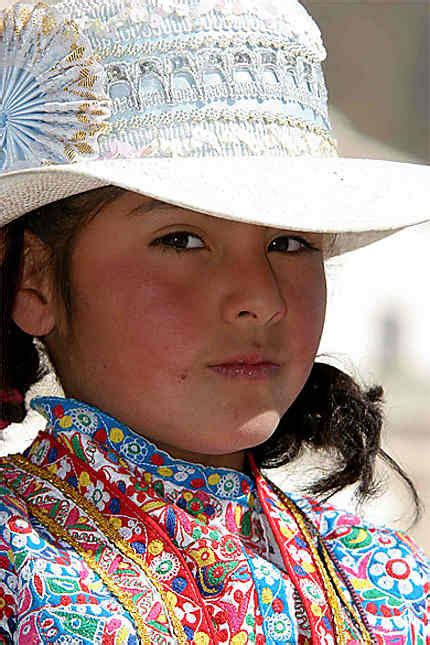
point(106, 539)
point(218, 106)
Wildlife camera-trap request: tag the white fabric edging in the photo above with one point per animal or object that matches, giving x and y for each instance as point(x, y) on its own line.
point(16, 437)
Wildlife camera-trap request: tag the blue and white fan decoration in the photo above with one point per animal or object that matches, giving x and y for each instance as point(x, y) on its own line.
point(53, 101)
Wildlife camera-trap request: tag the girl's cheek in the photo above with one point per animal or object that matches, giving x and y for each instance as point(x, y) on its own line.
point(306, 292)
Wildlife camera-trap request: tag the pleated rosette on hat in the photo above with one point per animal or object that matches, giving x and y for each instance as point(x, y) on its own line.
point(53, 104)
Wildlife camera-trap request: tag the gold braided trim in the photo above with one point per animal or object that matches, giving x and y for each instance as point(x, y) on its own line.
point(329, 580)
point(350, 607)
point(125, 599)
point(211, 114)
point(121, 544)
point(333, 599)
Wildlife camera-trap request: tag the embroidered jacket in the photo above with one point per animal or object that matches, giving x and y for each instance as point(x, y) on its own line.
point(106, 539)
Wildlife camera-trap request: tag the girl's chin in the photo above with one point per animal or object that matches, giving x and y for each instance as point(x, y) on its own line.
point(231, 441)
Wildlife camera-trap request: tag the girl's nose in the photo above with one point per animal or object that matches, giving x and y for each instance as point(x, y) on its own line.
point(253, 293)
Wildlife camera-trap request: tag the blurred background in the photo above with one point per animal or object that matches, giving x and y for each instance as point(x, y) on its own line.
point(378, 76)
point(378, 320)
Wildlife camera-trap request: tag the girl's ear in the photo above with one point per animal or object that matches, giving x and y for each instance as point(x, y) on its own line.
point(34, 306)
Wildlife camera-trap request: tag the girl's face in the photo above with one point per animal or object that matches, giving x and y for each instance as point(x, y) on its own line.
point(160, 294)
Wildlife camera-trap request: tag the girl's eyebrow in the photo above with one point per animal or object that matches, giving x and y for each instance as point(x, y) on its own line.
point(146, 207)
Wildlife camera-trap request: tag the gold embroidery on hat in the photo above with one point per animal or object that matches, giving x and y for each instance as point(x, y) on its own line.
point(76, 53)
point(24, 17)
point(48, 24)
point(86, 78)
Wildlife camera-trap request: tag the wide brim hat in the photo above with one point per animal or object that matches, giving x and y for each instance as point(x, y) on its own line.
point(358, 201)
point(217, 106)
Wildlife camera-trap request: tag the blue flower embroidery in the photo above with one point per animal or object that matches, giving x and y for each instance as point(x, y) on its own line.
point(53, 102)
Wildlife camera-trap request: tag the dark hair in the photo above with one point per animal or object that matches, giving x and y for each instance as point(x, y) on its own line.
point(332, 412)
point(57, 225)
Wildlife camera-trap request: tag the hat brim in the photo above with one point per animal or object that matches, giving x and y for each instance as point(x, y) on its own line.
point(359, 200)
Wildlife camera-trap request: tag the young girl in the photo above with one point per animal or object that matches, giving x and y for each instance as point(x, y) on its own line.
point(170, 193)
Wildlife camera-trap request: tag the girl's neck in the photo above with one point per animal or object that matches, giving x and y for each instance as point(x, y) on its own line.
point(235, 460)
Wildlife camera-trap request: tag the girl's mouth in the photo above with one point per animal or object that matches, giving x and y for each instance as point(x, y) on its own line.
point(253, 372)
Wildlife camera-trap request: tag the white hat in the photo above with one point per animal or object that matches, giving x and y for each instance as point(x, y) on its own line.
point(218, 106)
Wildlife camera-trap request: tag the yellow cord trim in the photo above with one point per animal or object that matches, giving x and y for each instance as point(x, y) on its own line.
point(110, 532)
point(125, 599)
point(355, 615)
point(341, 637)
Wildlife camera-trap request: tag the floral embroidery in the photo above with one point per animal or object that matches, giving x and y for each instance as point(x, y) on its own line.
point(279, 627)
point(229, 486)
point(198, 504)
point(165, 566)
point(223, 483)
point(84, 420)
point(312, 591)
point(393, 570)
point(267, 573)
point(63, 468)
point(98, 495)
point(232, 573)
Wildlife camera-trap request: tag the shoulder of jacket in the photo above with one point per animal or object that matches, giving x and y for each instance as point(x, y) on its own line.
point(356, 534)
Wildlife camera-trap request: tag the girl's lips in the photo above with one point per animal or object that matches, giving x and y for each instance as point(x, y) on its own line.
point(254, 372)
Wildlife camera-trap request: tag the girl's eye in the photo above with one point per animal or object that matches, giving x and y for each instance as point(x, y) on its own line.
point(185, 241)
point(178, 241)
point(291, 244)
